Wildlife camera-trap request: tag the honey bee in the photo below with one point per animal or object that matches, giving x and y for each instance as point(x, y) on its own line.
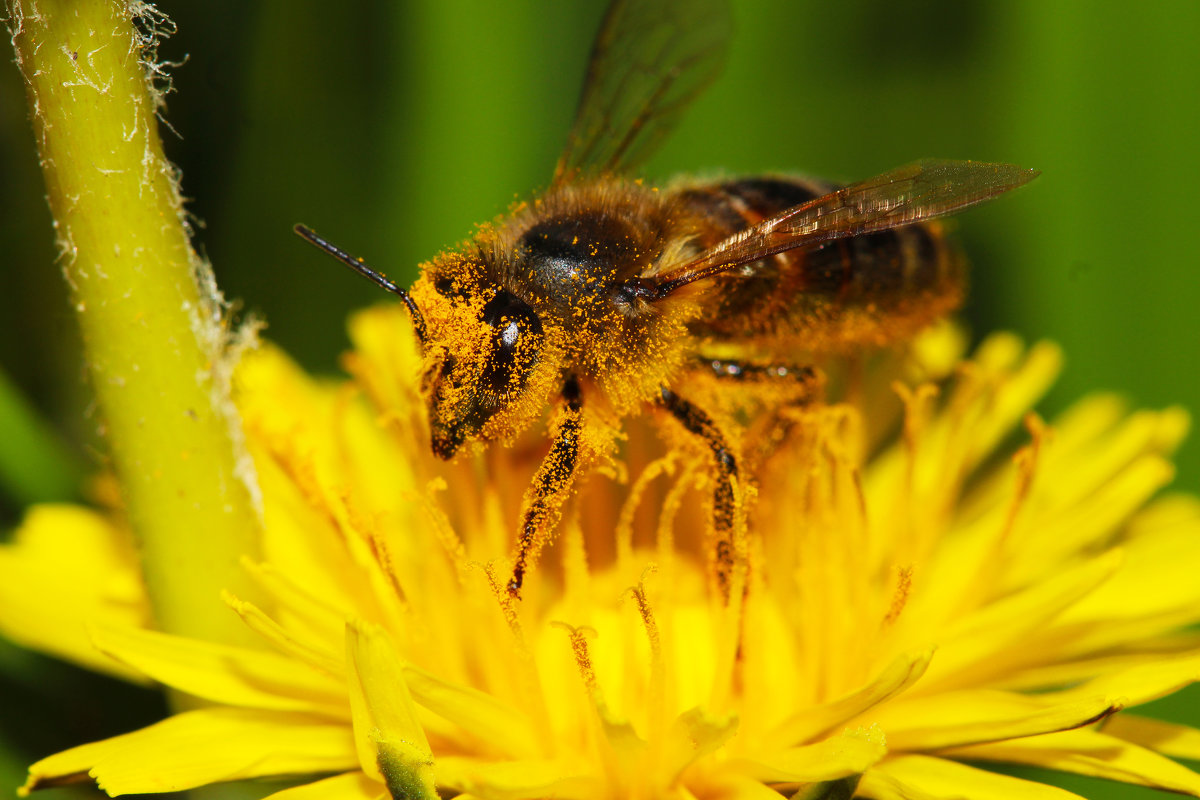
point(606, 290)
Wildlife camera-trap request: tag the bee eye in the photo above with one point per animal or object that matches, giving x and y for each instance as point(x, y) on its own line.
point(516, 340)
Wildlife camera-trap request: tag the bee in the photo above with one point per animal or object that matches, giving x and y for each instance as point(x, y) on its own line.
point(606, 291)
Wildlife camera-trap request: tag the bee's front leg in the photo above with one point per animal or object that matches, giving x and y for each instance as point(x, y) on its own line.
point(697, 422)
point(545, 497)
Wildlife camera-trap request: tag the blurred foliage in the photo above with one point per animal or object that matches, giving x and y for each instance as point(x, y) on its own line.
point(394, 127)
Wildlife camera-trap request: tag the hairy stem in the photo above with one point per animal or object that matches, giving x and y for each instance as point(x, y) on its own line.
point(152, 322)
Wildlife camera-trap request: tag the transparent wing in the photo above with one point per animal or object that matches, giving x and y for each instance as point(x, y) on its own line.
point(913, 193)
point(650, 59)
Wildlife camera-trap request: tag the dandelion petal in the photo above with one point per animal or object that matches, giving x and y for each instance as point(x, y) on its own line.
point(972, 717)
point(391, 742)
point(200, 747)
point(813, 722)
point(1089, 752)
point(927, 778)
point(837, 757)
point(1168, 738)
point(1141, 683)
point(517, 780)
point(97, 577)
point(236, 676)
point(732, 786)
point(488, 719)
point(347, 786)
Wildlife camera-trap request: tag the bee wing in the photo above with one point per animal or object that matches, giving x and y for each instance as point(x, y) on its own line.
point(649, 60)
point(913, 193)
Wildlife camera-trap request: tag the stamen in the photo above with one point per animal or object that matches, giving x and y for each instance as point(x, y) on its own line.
point(600, 714)
point(639, 595)
point(624, 532)
point(660, 696)
point(525, 674)
point(576, 572)
point(727, 676)
point(314, 610)
point(900, 595)
point(583, 659)
point(917, 404)
point(442, 528)
point(1026, 460)
point(670, 507)
point(916, 410)
point(283, 640)
point(357, 521)
point(508, 604)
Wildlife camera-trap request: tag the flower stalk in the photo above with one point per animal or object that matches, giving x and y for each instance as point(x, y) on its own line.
point(152, 324)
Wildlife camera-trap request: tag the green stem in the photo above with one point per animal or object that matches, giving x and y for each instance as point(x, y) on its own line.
point(152, 328)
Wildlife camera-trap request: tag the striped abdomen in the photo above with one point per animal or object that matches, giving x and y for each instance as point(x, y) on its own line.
point(868, 289)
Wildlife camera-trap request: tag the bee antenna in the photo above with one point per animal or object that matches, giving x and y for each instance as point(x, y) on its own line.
point(376, 277)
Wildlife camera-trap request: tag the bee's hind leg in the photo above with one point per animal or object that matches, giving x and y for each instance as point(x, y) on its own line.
point(790, 387)
point(550, 486)
point(803, 382)
point(796, 386)
point(699, 423)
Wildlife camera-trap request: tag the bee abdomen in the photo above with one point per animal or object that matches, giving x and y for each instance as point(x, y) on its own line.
point(870, 288)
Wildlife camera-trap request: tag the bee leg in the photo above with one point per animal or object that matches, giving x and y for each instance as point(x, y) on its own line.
point(803, 379)
point(697, 422)
point(800, 386)
point(550, 485)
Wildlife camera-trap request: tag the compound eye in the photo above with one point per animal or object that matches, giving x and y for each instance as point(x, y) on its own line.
point(516, 341)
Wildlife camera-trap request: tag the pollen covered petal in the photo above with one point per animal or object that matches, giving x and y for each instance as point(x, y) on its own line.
point(928, 778)
point(221, 673)
point(195, 748)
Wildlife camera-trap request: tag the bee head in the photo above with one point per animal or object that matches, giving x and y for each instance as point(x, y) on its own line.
point(479, 379)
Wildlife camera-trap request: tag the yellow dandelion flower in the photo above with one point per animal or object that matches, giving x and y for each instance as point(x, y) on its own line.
point(905, 616)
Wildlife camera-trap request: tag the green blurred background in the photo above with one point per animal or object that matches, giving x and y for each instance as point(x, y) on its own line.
point(394, 127)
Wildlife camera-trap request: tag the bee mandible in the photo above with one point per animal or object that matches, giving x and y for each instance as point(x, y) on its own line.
point(608, 291)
